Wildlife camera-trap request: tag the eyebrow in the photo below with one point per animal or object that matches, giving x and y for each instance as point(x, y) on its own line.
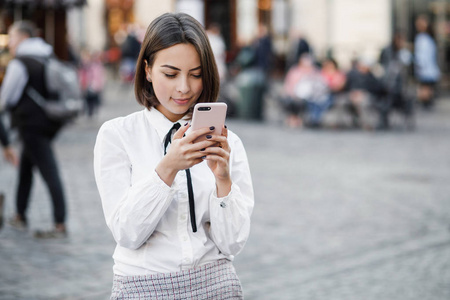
point(174, 68)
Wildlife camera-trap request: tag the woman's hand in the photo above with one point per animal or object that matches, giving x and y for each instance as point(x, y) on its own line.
point(183, 153)
point(218, 158)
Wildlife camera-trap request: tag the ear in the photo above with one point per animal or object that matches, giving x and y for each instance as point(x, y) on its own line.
point(147, 71)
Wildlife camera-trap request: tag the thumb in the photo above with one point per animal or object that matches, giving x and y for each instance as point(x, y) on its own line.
point(181, 131)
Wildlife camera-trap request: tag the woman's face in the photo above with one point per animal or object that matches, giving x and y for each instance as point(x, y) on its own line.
point(177, 80)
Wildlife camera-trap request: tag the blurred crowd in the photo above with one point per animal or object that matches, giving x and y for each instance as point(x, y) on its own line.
point(318, 93)
point(370, 90)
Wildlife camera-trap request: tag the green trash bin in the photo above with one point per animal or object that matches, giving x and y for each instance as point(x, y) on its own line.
point(251, 85)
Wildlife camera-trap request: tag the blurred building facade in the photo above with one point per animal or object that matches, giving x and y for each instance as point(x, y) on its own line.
point(328, 24)
point(343, 28)
point(49, 16)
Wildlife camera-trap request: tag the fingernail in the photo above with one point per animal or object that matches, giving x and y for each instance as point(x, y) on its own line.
point(186, 123)
point(202, 149)
point(209, 136)
point(211, 128)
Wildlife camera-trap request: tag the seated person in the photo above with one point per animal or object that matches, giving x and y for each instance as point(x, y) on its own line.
point(305, 87)
point(364, 90)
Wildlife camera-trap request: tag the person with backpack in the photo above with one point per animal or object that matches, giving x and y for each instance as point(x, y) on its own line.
point(36, 130)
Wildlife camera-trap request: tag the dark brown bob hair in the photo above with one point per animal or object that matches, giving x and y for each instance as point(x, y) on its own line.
point(168, 30)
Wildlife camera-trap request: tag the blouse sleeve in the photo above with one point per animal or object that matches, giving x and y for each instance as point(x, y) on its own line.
point(132, 211)
point(230, 215)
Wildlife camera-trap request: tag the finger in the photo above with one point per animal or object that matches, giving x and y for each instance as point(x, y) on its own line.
point(196, 161)
point(221, 140)
point(181, 131)
point(225, 131)
point(193, 135)
point(217, 151)
point(216, 158)
point(201, 146)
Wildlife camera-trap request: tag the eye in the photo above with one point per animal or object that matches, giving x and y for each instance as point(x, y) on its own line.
point(170, 75)
point(197, 75)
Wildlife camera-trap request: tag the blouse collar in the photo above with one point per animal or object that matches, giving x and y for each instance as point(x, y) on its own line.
point(161, 123)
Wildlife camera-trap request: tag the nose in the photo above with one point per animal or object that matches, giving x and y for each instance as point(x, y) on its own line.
point(183, 85)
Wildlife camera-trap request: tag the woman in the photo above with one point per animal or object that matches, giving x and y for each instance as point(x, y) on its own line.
point(145, 194)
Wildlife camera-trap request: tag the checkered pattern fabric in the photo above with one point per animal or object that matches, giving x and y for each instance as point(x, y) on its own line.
point(216, 281)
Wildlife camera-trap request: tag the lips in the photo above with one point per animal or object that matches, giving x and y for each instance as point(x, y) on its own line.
point(181, 101)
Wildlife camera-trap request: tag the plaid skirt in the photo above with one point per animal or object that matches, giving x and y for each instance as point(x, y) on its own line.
point(217, 280)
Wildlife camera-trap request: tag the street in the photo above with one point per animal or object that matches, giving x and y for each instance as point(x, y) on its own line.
point(339, 214)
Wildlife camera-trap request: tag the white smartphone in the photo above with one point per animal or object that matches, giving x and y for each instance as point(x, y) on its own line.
point(208, 115)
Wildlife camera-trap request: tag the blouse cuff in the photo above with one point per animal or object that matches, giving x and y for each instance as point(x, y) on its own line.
point(225, 201)
point(161, 185)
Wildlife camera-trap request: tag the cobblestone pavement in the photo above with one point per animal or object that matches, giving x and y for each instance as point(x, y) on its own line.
point(338, 215)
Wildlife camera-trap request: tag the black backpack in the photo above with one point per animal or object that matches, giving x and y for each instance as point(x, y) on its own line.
point(65, 101)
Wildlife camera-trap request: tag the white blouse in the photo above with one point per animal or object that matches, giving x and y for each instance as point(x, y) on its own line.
point(150, 220)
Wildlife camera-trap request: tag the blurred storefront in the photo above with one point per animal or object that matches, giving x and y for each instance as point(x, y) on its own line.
point(49, 17)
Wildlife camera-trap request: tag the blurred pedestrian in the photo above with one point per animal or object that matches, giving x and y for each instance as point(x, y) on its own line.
point(255, 60)
point(396, 60)
point(148, 197)
point(92, 80)
point(264, 57)
point(396, 50)
point(129, 54)
point(426, 67)
point(10, 156)
point(299, 45)
point(35, 129)
point(219, 49)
